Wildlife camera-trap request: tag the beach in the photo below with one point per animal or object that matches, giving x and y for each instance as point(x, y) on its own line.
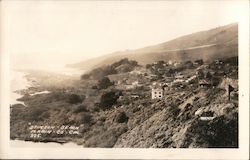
point(22, 80)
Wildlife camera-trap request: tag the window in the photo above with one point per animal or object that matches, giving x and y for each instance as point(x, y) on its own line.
point(159, 96)
point(155, 92)
point(159, 92)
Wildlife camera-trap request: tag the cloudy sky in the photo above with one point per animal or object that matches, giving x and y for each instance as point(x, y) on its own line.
point(66, 32)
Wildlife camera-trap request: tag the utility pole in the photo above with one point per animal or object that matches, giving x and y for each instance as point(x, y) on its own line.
point(230, 89)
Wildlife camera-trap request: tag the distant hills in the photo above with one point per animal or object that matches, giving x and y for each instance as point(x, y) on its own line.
point(217, 43)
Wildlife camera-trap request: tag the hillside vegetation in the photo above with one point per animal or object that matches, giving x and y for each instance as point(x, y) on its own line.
point(118, 110)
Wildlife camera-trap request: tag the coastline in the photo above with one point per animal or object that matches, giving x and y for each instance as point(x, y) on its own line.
point(26, 84)
point(19, 82)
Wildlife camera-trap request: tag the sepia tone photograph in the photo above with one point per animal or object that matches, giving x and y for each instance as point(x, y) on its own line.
point(123, 74)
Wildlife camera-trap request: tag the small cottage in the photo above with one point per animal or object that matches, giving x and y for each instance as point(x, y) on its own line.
point(204, 83)
point(179, 76)
point(157, 91)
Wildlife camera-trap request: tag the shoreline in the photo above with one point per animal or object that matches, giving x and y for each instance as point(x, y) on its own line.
point(30, 87)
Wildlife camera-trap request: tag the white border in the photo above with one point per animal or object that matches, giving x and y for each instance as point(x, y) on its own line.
point(118, 153)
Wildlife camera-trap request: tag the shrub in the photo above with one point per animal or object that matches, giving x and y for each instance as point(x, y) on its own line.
point(74, 99)
point(98, 73)
point(80, 108)
point(104, 83)
point(85, 76)
point(106, 138)
point(199, 61)
point(94, 87)
point(215, 81)
point(188, 64)
point(174, 110)
point(121, 118)
point(86, 118)
point(200, 74)
point(148, 66)
point(36, 113)
point(123, 61)
point(208, 75)
point(108, 99)
point(222, 132)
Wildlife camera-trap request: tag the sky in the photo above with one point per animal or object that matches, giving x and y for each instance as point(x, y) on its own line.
point(63, 32)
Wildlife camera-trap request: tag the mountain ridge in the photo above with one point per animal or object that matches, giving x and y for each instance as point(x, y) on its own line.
point(220, 42)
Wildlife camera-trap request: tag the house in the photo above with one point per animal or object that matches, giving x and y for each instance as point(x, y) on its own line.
point(179, 76)
point(218, 61)
point(191, 79)
point(157, 91)
point(207, 116)
point(204, 83)
point(121, 98)
point(128, 87)
point(170, 62)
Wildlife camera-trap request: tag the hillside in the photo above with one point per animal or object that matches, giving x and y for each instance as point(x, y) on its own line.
point(217, 43)
point(120, 110)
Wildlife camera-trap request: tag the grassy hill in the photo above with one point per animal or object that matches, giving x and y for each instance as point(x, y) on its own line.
point(217, 43)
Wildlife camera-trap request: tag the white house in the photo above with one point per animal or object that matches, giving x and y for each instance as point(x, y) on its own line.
point(157, 93)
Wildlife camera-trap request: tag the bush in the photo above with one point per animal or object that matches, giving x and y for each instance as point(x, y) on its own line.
point(188, 64)
point(104, 83)
point(121, 118)
point(98, 73)
point(36, 113)
point(74, 99)
point(199, 61)
point(80, 108)
point(123, 61)
point(85, 76)
point(219, 133)
point(94, 87)
point(108, 99)
point(174, 110)
point(105, 138)
point(86, 119)
point(208, 75)
point(200, 74)
point(148, 66)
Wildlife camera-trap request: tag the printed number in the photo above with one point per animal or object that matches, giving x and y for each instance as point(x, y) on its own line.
point(35, 135)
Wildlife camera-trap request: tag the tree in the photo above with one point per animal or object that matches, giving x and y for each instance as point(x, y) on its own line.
point(208, 75)
point(100, 72)
point(86, 118)
point(74, 99)
point(121, 117)
point(188, 64)
point(108, 99)
point(85, 76)
point(122, 61)
point(148, 66)
point(104, 83)
point(199, 61)
point(80, 108)
point(170, 72)
point(200, 74)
